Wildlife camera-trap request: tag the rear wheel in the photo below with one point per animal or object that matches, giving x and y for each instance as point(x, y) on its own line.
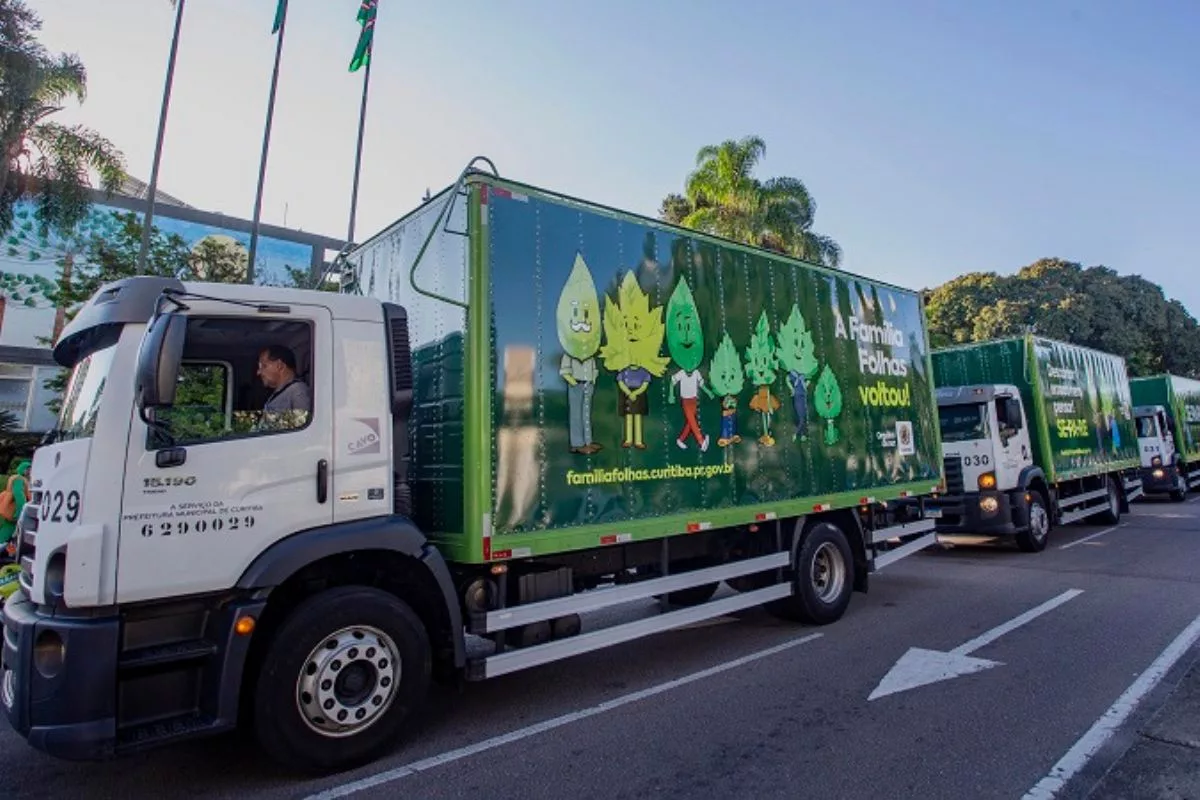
point(339, 679)
point(1033, 540)
point(1112, 513)
point(824, 578)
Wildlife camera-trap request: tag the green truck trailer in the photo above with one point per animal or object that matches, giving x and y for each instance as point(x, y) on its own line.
point(1167, 412)
point(1035, 433)
point(521, 408)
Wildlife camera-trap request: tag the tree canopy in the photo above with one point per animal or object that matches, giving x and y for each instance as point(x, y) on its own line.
point(722, 197)
point(1094, 307)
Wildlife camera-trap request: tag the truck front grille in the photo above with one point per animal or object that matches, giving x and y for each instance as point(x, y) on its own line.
point(955, 485)
point(27, 525)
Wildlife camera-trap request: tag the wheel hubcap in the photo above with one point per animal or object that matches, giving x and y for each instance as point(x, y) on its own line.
point(1038, 520)
point(348, 681)
point(828, 572)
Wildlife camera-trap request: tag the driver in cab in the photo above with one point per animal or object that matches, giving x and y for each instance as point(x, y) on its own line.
point(290, 401)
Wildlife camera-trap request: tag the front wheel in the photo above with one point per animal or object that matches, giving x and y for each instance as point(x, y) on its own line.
point(824, 578)
point(1112, 513)
point(1033, 540)
point(339, 679)
point(1181, 489)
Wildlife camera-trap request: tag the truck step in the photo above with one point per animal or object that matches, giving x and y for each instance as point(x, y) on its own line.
point(174, 653)
point(596, 599)
point(160, 732)
point(514, 660)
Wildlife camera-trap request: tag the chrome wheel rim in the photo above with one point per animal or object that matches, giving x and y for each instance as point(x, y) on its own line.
point(348, 681)
point(1039, 521)
point(828, 572)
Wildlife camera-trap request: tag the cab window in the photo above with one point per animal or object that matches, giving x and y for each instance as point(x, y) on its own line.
point(1147, 428)
point(239, 378)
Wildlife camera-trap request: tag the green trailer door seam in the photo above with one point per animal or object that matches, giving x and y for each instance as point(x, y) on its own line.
point(478, 425)
point(1039, 402)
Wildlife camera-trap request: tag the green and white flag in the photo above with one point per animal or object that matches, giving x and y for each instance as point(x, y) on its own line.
point(280, 13)
point(366, 18)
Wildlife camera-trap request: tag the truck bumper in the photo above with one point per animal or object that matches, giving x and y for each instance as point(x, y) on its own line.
point(1159, 480)
point(72, 691)
point(981, 514)
point(59, 680)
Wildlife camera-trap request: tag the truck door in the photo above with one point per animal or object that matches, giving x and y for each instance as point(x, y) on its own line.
point(225, 480)
point(1167, 432)
point(1014, 454)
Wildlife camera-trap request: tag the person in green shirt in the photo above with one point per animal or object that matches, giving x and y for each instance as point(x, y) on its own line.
point(18, 485)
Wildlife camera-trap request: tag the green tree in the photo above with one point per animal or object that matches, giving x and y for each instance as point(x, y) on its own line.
point(1094, 307)
point(49, 161)
point(722, 197)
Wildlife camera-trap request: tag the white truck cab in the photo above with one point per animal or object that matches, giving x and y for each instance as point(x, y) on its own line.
point(171, 504)
point(1162, 465)
point(992, 482)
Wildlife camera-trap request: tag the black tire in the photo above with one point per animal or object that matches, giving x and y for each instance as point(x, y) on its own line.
point(694, 595)
point(1112, 514)
point(1181, 491)
point(281, 728)
point(1033, 539)
point(823, 580)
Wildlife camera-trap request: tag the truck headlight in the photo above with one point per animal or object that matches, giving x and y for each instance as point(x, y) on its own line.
point(55, 578)
point(987, 481)
point(989, 505)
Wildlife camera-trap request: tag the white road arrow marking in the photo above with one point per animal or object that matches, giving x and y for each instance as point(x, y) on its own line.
point(921, 667)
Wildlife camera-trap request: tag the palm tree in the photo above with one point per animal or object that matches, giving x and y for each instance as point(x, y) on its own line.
point(723, 197)
point(50, 161)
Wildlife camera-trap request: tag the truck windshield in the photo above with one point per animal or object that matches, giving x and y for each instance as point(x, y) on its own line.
point(963, 423)
point(81, 401)
point(1147, 428)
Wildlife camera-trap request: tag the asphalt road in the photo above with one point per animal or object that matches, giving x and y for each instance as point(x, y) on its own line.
point(755, 707)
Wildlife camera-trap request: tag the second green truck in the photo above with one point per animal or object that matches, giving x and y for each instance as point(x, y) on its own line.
point(1035, 432)
point(1167, 410)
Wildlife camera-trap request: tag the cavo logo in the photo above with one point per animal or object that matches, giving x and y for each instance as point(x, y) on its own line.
point(366, 438)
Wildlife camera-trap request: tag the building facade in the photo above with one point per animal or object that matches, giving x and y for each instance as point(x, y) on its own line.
point(30, 266)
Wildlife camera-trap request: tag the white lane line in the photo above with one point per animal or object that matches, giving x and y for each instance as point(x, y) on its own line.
point(346, 789)
point(1090, 743)
point(987, 637)
point(1089, 538)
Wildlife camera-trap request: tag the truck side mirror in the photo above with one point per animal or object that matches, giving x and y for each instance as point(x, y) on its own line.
point(158, 361)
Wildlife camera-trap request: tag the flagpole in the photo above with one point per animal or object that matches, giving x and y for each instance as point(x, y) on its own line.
point(158, 145)
point(266, 144)
point(362, 121)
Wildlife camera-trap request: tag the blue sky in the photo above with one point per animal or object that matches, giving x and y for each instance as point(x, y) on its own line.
point(937, 137)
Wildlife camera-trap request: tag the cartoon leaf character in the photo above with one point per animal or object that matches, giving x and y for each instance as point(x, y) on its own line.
point(797, 357)
point(728, 379)
point(578, 319)
point(685, 341)
point(829, 403)
point(635, 334)
point(761, 363)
